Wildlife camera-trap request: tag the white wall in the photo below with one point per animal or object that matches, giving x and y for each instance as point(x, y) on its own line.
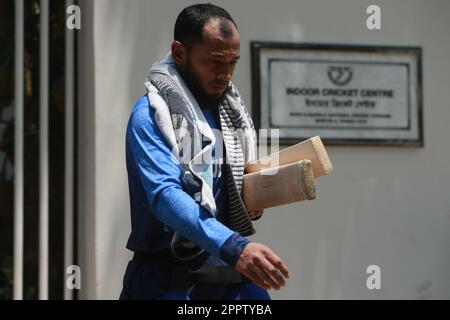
point(387, 206)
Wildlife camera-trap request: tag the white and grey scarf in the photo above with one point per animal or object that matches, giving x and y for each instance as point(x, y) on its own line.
point(183, 125)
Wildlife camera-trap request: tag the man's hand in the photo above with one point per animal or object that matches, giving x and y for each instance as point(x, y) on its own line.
point(258, 263)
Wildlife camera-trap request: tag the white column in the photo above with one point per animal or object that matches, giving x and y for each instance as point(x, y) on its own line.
point(43, 155)
point(69, 157)
point(18, 152)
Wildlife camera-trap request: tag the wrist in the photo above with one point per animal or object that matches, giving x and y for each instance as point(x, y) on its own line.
point(232, 249)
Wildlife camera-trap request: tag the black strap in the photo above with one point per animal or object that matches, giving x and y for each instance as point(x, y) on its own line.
point(182, 277)
point(216, 274)
point(160, 259)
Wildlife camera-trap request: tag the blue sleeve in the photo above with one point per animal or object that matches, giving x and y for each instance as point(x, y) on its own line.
point(232, 248)
point(160, 173)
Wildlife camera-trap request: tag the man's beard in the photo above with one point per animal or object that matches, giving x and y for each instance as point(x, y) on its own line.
point(204, 100)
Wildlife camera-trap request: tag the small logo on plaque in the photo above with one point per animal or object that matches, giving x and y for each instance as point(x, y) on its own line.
point(340, 75)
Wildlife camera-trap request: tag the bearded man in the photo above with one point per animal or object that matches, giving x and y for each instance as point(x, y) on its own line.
point(187, 143)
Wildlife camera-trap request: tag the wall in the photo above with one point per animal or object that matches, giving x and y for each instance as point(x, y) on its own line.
point(382, 205)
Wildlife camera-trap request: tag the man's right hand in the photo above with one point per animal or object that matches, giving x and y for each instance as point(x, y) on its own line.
point(262, 266)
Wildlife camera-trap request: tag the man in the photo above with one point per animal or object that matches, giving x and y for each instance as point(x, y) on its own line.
point(188, 220)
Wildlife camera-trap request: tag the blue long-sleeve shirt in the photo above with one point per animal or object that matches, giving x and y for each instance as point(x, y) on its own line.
point(157, 197)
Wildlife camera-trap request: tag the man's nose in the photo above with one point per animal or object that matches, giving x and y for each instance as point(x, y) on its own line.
point(225, 74)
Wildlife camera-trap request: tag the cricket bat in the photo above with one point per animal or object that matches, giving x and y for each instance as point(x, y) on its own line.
point(312, 149)
point(273, 187)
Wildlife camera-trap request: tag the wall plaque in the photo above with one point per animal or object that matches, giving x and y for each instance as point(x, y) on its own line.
point(345, 94)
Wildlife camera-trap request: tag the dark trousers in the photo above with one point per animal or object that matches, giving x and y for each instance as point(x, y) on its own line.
point(143, 281)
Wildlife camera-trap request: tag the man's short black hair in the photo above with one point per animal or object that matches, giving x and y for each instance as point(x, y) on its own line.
point(191, 21)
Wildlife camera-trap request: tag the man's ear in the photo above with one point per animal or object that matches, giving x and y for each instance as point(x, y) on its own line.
point(179, 53)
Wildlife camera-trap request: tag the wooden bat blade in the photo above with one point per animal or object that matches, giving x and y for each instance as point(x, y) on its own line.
point(312, 149)
point(273, 187)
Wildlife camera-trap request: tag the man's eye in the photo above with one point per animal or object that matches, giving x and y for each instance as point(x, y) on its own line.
point(218, 63)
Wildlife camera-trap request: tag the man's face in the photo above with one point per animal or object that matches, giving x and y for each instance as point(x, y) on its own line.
point(210, 64)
